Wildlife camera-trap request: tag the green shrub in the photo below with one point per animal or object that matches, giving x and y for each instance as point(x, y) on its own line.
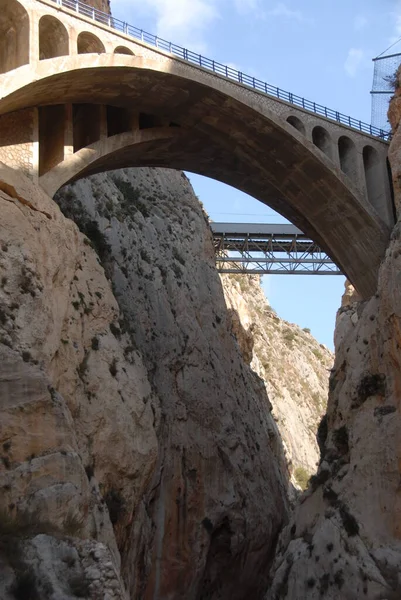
point(302, 477)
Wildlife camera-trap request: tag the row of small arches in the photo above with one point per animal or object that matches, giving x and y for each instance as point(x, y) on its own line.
point(347, 155)
point(54, 39)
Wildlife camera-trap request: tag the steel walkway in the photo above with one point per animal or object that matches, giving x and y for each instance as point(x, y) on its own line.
point(256, 248)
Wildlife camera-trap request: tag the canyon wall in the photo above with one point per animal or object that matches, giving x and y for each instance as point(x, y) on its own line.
point(139, 456)
point(293, 365)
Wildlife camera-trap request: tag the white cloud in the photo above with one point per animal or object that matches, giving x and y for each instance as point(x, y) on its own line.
point(282, 10)
point(360, 22)
point(353, 61)
point(182, 21)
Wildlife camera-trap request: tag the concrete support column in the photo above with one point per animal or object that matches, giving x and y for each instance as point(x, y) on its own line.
point(134, 121)
point(35, 144)
point(73, 38)
point(103, 122)
point(34, 38)
point(68, 132)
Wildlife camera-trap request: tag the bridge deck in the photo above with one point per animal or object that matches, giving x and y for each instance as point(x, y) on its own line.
point(220, 69)
point(256, 248)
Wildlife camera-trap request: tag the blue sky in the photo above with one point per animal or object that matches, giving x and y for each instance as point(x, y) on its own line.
point(319, 49)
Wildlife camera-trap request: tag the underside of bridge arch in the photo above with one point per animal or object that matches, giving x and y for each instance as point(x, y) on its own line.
point(123, 50)
point(216, 133)
point(53, 38)
point(14, 35)
point(322, 140)
point(373, 174)
point(348, 157)
point(87, 43)
point(297, 123)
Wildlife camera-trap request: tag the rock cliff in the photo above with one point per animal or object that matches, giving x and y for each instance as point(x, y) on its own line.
point(343, 540)
point(293, 365)
point(137, 445)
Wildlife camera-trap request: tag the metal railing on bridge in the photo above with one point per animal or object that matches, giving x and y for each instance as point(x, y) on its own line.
point(220, 69)
point(256, 248)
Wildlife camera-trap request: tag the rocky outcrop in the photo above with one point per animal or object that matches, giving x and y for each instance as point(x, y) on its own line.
point(293, 365)
point(136, 443)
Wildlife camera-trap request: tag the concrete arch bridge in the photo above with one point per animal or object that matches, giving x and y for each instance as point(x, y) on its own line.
point(81, 93)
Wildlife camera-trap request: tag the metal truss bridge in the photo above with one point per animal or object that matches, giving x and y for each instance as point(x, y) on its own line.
point(256, 248)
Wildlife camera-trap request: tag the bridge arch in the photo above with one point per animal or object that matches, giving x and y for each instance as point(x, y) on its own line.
point(322, 140)
point(14, 35)
point(87, 43)
point(53, 38)
point(297, 123)
point(123, 50)
point(373, 175)
point(348, 157)
point(222, 133)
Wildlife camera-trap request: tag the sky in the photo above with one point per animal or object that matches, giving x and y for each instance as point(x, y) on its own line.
point(319, 49)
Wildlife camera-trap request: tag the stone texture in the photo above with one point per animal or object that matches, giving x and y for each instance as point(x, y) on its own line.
point(17, 140)
point(130, 429)
point(293, 365)
point(77, 425)
point(207, 522)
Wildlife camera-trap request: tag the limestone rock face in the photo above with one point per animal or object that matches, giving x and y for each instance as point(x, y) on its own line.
point(343, 540)
point(136, 444)
point(208, 519)
point(77, 425)
point(293, 365)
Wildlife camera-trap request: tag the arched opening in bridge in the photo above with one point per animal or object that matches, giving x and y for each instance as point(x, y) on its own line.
point(53, 38)
point(373, 175)
point(123, 50)
point(51, 136)
point(149, 121)
point(14, 35)
point(348, 157)
point(87, 124)
point(322, 140)
point(88, 43)
point(297, 123)
point(119, 120)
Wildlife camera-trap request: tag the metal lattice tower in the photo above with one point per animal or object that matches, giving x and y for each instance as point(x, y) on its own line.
point(383, 87)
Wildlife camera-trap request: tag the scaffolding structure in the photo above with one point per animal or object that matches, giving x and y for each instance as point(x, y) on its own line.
point(383, 87)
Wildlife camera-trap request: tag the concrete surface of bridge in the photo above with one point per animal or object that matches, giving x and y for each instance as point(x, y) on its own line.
point(78, 97)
